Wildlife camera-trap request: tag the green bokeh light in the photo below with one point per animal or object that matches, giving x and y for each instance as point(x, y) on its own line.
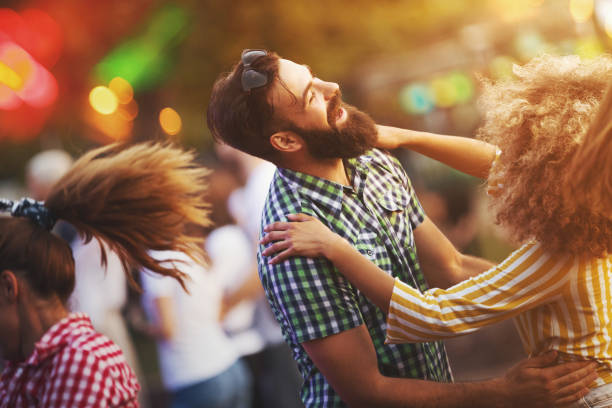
point(145, 59)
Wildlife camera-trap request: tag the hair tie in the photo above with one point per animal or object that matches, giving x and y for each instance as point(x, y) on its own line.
point(29, 208)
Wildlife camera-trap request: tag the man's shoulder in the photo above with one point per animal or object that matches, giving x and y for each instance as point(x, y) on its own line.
point(285, 196)
point(384, 159)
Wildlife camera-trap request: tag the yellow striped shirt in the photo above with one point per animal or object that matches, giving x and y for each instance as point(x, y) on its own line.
point(560, 302)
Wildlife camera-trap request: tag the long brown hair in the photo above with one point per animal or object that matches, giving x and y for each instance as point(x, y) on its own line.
point(591, 172)
point(139, 198)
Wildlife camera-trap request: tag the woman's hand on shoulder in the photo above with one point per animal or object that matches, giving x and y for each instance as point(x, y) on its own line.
point(302, 235)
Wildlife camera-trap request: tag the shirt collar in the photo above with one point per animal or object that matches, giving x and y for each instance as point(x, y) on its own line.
point(58, 336)
point(328, 194)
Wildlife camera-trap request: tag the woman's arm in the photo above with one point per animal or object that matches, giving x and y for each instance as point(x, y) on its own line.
point(470, 156)
point(527, 278)
point(164, 326)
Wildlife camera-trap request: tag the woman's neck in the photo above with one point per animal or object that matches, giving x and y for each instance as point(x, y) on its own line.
point(37, 316)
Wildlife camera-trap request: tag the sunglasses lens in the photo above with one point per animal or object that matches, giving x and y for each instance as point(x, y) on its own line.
point(252, 79)
point(249, 56)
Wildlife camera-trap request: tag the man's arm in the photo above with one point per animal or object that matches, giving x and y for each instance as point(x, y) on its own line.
point(470, 156)
point(348, 362)
point(442, 265)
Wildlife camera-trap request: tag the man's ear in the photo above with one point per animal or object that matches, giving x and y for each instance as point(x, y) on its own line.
point(9, 287)
point(286, 141)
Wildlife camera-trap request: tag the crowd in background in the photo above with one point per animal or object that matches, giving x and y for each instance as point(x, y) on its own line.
point(224, 320)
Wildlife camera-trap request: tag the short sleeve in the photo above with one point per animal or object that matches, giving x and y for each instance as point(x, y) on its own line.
point(416, 213)
point(312, 298)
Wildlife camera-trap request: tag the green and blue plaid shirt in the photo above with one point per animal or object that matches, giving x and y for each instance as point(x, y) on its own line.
point(311, 300)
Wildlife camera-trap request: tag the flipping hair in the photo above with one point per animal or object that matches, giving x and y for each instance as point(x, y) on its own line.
point(135, 199)
point(591, 173)
point(540, 121)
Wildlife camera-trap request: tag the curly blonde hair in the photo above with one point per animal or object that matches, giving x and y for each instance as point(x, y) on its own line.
point(591, 173)
point(539, 120)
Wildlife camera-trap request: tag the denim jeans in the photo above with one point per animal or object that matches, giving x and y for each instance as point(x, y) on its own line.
point(600, 397)
point(230, 389)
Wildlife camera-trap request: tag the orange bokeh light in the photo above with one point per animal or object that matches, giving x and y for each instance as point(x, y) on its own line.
point(170, 121)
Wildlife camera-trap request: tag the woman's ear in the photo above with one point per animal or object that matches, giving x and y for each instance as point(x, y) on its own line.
point(286, 141)
point(9, 287)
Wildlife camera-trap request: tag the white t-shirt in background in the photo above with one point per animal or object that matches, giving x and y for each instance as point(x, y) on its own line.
point(199, 349)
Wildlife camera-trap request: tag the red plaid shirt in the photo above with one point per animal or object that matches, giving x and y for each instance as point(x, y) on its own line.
point(72, 366)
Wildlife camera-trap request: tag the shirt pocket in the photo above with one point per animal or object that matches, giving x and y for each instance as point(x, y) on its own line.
point(395, 205)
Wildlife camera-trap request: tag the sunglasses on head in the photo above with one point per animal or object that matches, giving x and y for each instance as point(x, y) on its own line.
point(251, 78)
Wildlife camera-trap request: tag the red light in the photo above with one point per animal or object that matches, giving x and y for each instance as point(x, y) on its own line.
point(39, 86)
point(46, 34)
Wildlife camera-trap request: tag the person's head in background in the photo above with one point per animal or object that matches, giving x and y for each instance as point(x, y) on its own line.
point(136, 198)
point(280, 111)
point(44, 169)
point(236, 160)
point(540, 120)
point(591, 171)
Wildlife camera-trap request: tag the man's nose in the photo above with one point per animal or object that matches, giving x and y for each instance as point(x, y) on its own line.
point(328, 89)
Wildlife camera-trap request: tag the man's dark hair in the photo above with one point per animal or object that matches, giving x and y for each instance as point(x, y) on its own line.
point(244, 119)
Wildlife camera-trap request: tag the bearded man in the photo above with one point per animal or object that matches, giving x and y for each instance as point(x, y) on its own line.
point(280, 111)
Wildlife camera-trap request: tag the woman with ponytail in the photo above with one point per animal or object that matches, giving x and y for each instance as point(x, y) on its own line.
point(134, 199)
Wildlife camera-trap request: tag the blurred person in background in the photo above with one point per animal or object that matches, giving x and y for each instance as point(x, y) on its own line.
point(278, 110)
point(56, 358)
point(199, 362)
point(100, 287)
point(199, 365)
point(557, 283)
point(276, 378)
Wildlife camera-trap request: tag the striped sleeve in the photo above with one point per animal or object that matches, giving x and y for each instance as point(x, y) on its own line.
point(527, 278)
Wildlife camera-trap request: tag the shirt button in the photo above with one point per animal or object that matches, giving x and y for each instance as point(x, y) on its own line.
point(370, 252)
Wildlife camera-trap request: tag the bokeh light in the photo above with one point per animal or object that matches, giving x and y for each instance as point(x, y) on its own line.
point(589, 47)
point(122, 89)
point(581, 10)
point(529, 44)
point(128, 111)
point(170, 121)
point(103, 100)
point(445, 94)
point(501, 67)
point(30, 81)
point(416, 99)
point(464, 88)
point(603, 15)
point(10, 77)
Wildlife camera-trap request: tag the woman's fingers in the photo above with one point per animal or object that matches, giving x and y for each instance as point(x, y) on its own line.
point(281, 257)
point(278, 226)
point(273, 236)
point(276, 247)
point(299, 217)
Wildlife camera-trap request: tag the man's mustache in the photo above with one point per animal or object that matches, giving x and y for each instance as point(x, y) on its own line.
point(332, 108)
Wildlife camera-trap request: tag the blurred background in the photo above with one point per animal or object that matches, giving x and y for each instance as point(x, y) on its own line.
point(79, 74)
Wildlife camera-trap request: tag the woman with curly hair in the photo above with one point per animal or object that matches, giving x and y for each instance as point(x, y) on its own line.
point(590, 174)
point(134, 199)
point(558, 284)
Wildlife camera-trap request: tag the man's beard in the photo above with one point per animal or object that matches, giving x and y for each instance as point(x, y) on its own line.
point(357, 135)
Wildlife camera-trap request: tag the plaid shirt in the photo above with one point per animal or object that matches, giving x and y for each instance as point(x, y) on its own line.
point(311, 300)
point(72, 366)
